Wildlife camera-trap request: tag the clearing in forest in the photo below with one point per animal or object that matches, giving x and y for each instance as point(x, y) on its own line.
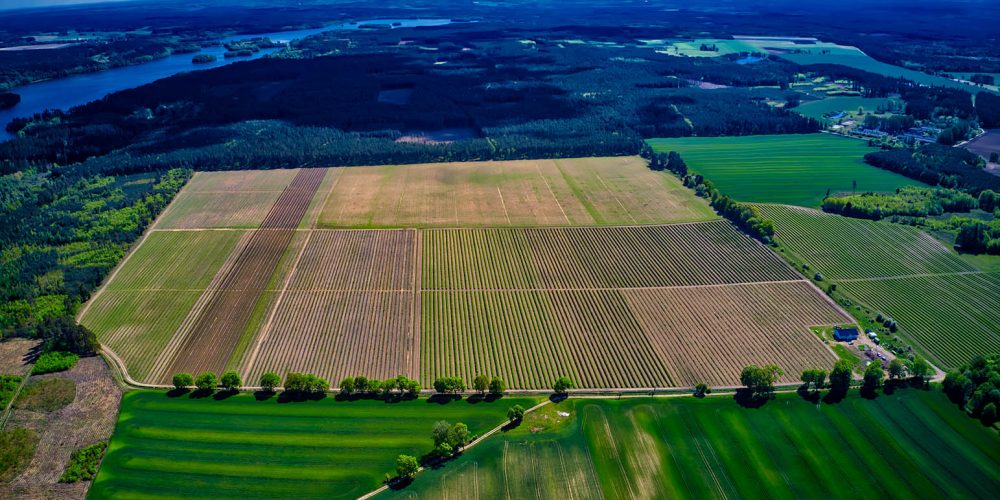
point(789, 169)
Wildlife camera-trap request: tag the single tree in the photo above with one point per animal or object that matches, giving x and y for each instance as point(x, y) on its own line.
point(989, 414)
point(268, 381)
point(406, 466)
point(481, 383)
point(458, 436)
point(205, 381)
point(873, 375)
point(497, 386)
point(231, 381)
point(361, 384)
point(515, 413)
point(183, 380)
point(562, 385)
point(347, 385)
point(760, 379)
point(840, 377)
point(897, 368)
point(919, 369)
point(439, 432)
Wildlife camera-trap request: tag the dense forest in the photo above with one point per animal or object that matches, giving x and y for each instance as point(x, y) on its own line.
point(937, 165)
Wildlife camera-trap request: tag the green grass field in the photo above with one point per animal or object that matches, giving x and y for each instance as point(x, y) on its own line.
point(788, 169)
point(816, 109)
point(912, 444)
point(947, 308)
point(243, 448)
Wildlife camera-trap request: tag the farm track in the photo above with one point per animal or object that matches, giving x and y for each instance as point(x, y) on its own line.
point(218, 326)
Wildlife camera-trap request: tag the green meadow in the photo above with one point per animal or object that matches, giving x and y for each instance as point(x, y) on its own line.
point(240, 447)
point(787, 169)
point(911, 444)
point(850, 104)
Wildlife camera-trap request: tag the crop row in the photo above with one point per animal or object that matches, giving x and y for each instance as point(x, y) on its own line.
point(951, 317)
point(603, 257)
point(709, 334)
point(339, 334)
point(176, 260)
point(357, 260)
point(531, 338)
point(846, 248)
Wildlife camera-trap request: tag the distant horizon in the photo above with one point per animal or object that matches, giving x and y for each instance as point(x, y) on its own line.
point(38, 4)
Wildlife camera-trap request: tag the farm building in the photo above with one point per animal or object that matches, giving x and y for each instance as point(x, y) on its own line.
point(845, 334)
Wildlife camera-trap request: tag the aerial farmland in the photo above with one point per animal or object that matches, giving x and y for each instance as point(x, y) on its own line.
point(598, 269)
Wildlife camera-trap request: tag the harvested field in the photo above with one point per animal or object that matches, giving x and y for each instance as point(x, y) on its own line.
point(985, 144)
point(565, 258)
point(579, 191)
point(708, 334)
point(218, 327)
point(90, 418)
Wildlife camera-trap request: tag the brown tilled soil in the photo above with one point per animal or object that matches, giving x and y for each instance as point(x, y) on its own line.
point(15, 355)
point(215, 333)
point(88, 419)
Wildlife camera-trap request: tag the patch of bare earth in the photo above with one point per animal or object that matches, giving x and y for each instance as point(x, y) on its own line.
point(90, 418)
point(16, 355)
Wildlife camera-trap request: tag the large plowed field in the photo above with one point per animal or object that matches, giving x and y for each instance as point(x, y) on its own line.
point(628, 306)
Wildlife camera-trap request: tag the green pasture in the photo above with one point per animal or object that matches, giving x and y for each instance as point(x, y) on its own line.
point(243, 448)
point(911, 444)
point(692, 48)
point(816, 109)
point(788, 169)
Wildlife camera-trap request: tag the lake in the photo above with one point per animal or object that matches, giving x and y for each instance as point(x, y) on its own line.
point(64, 93)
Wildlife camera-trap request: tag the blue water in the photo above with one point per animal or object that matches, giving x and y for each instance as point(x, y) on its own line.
point(64, 93)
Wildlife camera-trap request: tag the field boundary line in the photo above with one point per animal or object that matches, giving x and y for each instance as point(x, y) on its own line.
point(551, 192)
point(504, 205)
point(474, 442)
point(618, 200)
point(266, 330)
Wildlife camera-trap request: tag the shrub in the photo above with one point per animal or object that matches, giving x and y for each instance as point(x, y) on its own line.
point(83, 463)
point(562, 385)
point(406, 466)
point(183, 380)
point(701, 390)
point(497, 386)
point(54, 361)
point(347, 386)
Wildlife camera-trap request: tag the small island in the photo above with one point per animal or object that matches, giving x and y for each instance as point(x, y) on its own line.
point(9, 100)
point(203, 59)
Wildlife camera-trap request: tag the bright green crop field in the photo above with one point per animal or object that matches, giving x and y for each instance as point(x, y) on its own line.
point(816, 109)
point(787, 169)
point(911, 444)
point(243, 448)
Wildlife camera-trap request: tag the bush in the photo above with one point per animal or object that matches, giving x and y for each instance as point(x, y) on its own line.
point(83, 463)
point(54, 361)
point(206, 381)
point(701, 390)
point(497, 386)
point(406, 466)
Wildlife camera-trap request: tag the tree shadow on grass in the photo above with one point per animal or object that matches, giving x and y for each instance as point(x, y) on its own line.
point(808, 395)
point(557, 398)
point(263, 395)
point(869, 392)
point(483, 398)
point(443, 399)
point(300, 396)
point(200, 393)
point(747, 399)
point(221, 395)
point(398, 483)
point(176, 393)
point(834, 396)
point(509, 426)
